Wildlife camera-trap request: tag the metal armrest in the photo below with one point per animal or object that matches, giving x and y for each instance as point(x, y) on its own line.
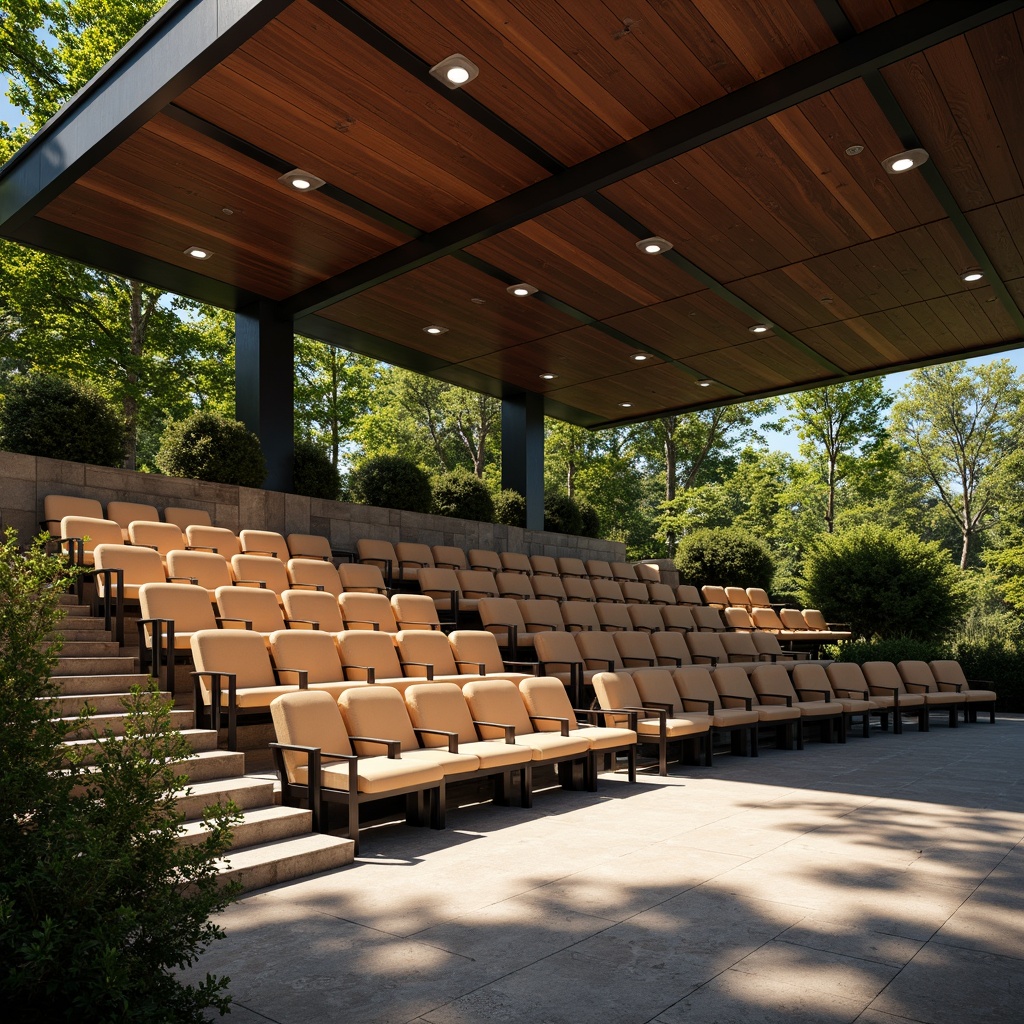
point(787, 697)
point(510, 730)
point(371, 673)
point(592, 715)
point(663, 658)
point(645, 661)
point(478, 665)
point(957, 687)
point(697, 700)
point(302, 673)
point(601, 661)
point(552, 718)
point(394, 746)
point(362, 622)
point(453, 737)
point(748, 702)
point(713, 658)
point(826, 695)
point(183, 579)
point(419, 664)
point(257, 551)
point(221, 619)
point(312, 623)
point(262, 584)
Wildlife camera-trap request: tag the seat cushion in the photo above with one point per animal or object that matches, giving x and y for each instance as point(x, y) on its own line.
point(675, 728)
point(449, 763)
point(496, 754)
point(550, 745)
point(376, 774)
point(251, 696)
point(604, 737)
point(727, 718)
point(775, 713)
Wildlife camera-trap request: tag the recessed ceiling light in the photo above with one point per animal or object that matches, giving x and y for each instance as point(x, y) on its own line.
point(455, 71)
point(639, 357)
point(653, 245)
point(759, 329)
point(521, 290)
point(301, 181)
point(549, 376)
point(854, 150)
point(971, 275)
point(906, 161)
point(435, 329)
point(198, 252)
point(705, 383)
point(625, 405)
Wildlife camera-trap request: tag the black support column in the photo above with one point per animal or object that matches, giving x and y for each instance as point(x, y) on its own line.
point(264, 385)
point(522, 452)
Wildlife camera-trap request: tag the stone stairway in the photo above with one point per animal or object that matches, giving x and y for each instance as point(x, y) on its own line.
point(271, 843)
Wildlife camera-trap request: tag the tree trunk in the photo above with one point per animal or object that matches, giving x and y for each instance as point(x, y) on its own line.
point(830, 504)
point(570, 478)
point(671, 460)
point(137, 344)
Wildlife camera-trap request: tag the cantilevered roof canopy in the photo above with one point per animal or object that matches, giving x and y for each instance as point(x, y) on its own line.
point(748, 134)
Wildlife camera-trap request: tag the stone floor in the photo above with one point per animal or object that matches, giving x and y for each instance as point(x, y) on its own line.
point(879, 882)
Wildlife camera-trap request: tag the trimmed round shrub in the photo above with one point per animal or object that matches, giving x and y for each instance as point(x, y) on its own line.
point(59, 418)
point(205, 446)
point(726, 556)
point(461, 495)
point(510, 508)
point(590, 521)
point(886, 583)
point(562, 514)
point(314, 473)
point(391, 481)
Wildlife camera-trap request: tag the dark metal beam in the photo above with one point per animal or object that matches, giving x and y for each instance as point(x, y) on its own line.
point(892, 40)
point(522, 452)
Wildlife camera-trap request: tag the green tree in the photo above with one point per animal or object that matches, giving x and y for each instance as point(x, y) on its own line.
point(957, 426)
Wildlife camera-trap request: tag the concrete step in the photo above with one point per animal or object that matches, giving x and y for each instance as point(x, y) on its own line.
point(199, 739)
point(245, 792)
point(75, 685)
point(98, 724)
point(95, 666)
point(208, 765)
point(270, 863)
point(90, 649)
point(81, 622)
point(101, 703)
point(76, 634)
point(258, 825)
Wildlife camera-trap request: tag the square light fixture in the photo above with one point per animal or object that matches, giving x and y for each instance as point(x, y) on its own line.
point(521, 290)
point(455, 71)
point(198, 252)
point(435, 329)
point(301, 181)
point(654, 245)
point(905, 161)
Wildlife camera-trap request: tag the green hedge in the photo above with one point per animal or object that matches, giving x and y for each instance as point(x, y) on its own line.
point(726, 556)
point(314, 474)
point(510, 509)
point(205, 446)
point(461, 495)
point(391, 481)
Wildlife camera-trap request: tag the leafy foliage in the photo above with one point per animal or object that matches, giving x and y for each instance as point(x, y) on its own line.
point(886, 583)
point(390, 481)
point(510, 508)
point(59, 418)
point(562, 514)
point(724, 556)
point(314, 473)
point(100, 903)
point(206, 446)
point(590, 521)
point(461, 495)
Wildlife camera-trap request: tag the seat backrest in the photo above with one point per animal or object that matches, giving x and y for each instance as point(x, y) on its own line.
point(162, 537)
point(599, 647)
point(240, 651)
point(706, 645)
point(558, 650)
point(813, 619)
point(183, 518)
point(677, 617)
point(188, 607)
point(308, 718)
point(732, 681)
point(359, 648)
point(259, 607)
point(358, 578)
point(315, 605)
point(514, 585)
point(440, 584)
point(946, 671)
point(309, 572)
point(847, 679)
point(261, 568)
point(378, 553)
point(660, 593)
point(791, 618)
point(766, 619)
point(737, 597)
point(497, 700)
point(208, 569)
point(883, 673)
point(607, 590)
point(613, 616)
point(598, 569)
point(773, 679)
point(647, 572)
point(656, 686)
point(138, 565)
point(768, 643)
point(737, 618)
point(264, 542)
point(671, 646)
point(414, 556)
point(497, 613)
point(695, 682)
point(485, 559)
point(93, 531)
point(580, 616)
point(477, 583)
point(516, 561)
point(758, 597)
point(568, 566)
point(623, 571)
point(377, 711)
point(708, 619)
point(918, 673)
point(476, 646)
point(548, 588)
point(309, 545)
point(544, 565)
point(214, 538)
point(541, 616)
point(688, 594)
point(440, 706)
point(307, 649)
point(616, 690)
point(415, 611)
point(578, 588)
point(367, 611)
point(739, 645)
point(425, 647)
point(635, 648)
point(634, 593)
point(646, 617)
point(545, 697)
point(448, 557)
point(125, 512)
point(811, 682)
point(714, 597)
point(57, 506)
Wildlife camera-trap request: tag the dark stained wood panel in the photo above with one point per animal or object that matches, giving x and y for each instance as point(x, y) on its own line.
point(309, 92)
point(761, 365)
point(864, 14)
point(166, 188)
point(649, 391)
point(1001, 230)
point(579, 256)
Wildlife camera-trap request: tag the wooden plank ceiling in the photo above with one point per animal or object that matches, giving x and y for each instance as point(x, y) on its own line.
point(789, 220)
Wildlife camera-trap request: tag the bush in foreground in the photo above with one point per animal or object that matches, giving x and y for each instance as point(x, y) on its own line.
point(562, 514)
point(461, 495)
point(510, 509)
point(391, 481)
point(205, 446)
point(314, 474)
point(725, 556)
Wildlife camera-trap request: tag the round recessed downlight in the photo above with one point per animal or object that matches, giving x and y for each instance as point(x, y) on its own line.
point(903, 164)
point(898, 163)
point(435, 329)
point(548, 376)
point(457, 75)
point(706, 383)
point(759, 329)
point(301, 184)
point(455, 71)
point(654, 245)
point(197, 252)
point(625, 405)
point(640, 357)
point(972, 275)
point(521, 290)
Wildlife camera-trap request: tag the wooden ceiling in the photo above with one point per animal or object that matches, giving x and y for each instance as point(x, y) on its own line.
point(750, 135)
